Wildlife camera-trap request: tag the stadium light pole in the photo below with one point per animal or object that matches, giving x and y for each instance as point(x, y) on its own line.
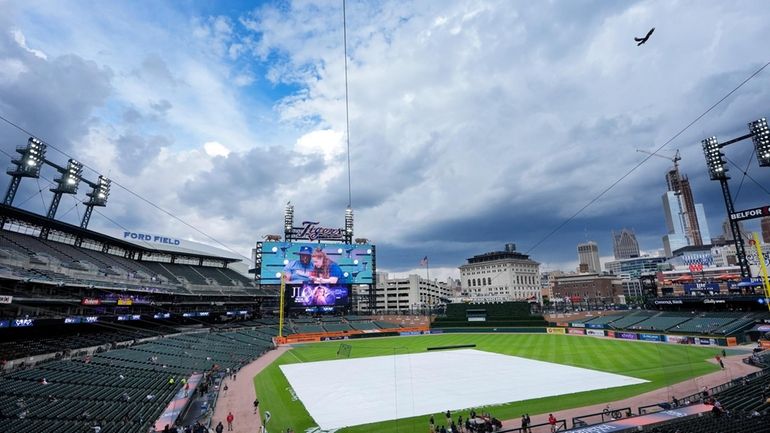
point(718, 171)
point(68, 183)
point(760, 135)
point(32, 159)
point(349, 225)
point(761, 138)
point(100, 192)
point(288, 222)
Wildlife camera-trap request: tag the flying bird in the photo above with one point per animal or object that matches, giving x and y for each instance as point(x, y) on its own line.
point(644, 39)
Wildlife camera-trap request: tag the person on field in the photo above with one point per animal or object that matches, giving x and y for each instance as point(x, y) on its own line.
point(552, 422)
point(230, 419)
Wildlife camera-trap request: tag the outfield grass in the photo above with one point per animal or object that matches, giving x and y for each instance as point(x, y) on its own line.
point(661, 364)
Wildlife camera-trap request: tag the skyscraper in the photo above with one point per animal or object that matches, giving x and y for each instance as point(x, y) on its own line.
point(728, 234)
point(685, 220)
point(624, 244)
point(588, 254)
point(672, 212)
point(765, 223)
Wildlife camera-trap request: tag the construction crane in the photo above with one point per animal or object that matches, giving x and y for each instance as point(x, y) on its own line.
point(674, 183)
point(687, 214)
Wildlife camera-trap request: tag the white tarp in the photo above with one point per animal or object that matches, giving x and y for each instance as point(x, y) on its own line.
point(350, 392)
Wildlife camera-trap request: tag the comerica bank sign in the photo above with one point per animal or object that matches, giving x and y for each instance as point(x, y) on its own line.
point(151, 238)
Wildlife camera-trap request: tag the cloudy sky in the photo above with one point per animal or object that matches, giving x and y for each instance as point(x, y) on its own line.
point(472, 123)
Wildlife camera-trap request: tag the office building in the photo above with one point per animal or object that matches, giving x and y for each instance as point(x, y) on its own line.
point(588, 254)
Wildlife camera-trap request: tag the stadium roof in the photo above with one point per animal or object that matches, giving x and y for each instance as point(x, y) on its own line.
point(22, 217)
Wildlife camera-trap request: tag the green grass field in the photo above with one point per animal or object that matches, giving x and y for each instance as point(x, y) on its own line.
point(661, 364)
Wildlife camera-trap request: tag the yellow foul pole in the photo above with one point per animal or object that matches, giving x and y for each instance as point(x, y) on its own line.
point(280, 311)
point(765, 281)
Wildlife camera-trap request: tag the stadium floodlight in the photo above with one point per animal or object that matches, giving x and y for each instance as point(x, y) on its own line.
point(32, 159)
point(349, 221)
point(760, 135)
point(66, 184)
point(70, 179)
point(100, 192)
point(288, 221)
point(714, 159)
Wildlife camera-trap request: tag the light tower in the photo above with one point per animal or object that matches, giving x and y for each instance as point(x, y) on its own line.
point(760, 135)
point(32, 159)
point(288, 222)
point(100, 191)
point(348, 225)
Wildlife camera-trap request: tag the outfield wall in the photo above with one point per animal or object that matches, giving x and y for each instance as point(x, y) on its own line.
point(353, 333)
point(646, 336)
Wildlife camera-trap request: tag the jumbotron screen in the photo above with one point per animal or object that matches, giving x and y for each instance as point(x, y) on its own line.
point(335, 264)
point(317, 297)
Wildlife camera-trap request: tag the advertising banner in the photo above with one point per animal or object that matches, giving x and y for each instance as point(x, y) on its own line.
point(562, 324)
point(595, 332)
point(4, 299)
point(125, 301)
point(595, 325)
point(556, 330)
point(701, 287)
point(626, 335)
point(611, 334)
point(677, 339)
point(576, 331)
point(334, 337)
point(316, 295)
point(316, 263)
point(705, 341)
point(650, 337)
point(578, 325)
point(732, 341)
point(91, 301)
point(22, 323)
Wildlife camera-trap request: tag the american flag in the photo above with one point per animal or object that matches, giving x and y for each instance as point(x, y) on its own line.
point(424, 261)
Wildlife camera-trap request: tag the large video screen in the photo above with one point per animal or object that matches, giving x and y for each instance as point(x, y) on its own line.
point(317, 297)
point(317, 263)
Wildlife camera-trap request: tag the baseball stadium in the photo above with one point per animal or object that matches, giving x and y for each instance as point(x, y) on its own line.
point(100, 332)
point(156, 277)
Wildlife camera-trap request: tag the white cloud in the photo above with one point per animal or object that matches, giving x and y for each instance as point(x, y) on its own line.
point(18, 36)
point(214, 148)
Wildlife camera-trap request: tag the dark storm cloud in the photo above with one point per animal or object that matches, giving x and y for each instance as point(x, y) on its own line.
point(247, 177)
point(135, 152)
point(53, 98)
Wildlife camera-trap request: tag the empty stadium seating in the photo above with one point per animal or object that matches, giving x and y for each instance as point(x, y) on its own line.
point(660, 322)
point(108, 270)
point(112, 388)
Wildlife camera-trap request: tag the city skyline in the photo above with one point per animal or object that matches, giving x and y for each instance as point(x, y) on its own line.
point(472, 123)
